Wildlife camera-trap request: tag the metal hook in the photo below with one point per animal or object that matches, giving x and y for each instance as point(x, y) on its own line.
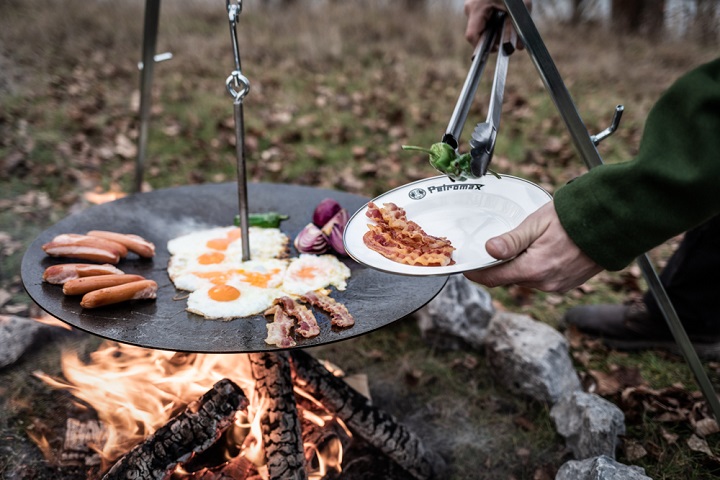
point(611, 129)
point(234, 11)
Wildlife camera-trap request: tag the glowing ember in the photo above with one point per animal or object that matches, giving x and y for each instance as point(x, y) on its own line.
point(52, 321)
point(98, 198)
point(135, 391)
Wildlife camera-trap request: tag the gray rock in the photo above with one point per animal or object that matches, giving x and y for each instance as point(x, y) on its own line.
point(599, 468)
point(16, 335)
point(590, 424)
point(458, 316)
point(530, 357)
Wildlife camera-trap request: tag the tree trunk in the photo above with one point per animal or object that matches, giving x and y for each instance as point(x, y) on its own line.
point(706, 21)
point(638, 16)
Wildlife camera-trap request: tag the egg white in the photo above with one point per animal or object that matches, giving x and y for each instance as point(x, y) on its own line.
point(252, 301)
point(313, 272)
point(264, 243)
point(269, 272)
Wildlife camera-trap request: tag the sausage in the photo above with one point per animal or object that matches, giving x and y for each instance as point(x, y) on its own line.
point(134, 243)
point(59, 274)
point(93, 254)
point(81, 286)
point(143, 289)
point(88, 241)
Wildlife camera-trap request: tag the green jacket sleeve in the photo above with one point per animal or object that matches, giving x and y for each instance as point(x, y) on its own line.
point(615, 212)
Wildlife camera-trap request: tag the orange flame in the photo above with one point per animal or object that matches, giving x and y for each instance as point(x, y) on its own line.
point(135, 391)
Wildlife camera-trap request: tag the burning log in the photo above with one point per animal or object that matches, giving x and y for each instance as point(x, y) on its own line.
point(192, 431)
point(237, 468)
point(376, 427)
point(281, 428)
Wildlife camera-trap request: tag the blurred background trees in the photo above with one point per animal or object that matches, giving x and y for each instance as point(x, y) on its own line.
point(698, 20)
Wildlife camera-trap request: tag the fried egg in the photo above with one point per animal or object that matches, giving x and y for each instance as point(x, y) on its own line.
point(224, 244)
point(209, 264)
point(313, 272)
point(258, 273)
point(230, 300)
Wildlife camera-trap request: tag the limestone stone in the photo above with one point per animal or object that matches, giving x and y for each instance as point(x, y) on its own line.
point(458, 316)
point(589, 423)
point(530, 357)
point(599, 468)
point(16, 335)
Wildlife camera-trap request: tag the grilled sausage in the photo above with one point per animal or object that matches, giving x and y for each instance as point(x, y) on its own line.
point(59, 274)
point(88, 241)
point(81, 286)
point(93, 254)
point(134, 243)
point(144, 289)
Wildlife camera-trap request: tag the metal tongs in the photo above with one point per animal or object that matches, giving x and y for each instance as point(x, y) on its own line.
point(482, 141)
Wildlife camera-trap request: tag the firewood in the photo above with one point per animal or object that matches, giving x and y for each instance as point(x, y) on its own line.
point(192, 431)
point(236, 468)
point(378, 428)
point(282, 436)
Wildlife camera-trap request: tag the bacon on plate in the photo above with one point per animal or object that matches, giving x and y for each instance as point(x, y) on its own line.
point(401, 240)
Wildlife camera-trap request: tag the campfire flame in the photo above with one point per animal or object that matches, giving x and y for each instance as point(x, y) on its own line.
point(135, 391)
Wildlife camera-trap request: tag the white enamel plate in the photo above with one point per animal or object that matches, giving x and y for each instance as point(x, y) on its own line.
point(467, 213)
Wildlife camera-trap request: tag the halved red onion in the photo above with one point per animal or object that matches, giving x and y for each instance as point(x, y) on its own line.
point(340, 218)
point(311, 240)
point(324, 211)
point(335, 239)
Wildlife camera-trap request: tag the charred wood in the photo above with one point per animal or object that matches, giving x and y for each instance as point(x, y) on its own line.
point(376, 427)
point(281, 429)
point(237, 468)
point(192, 431)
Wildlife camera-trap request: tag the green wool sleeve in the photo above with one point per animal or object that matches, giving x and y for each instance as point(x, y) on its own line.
point(616, 212)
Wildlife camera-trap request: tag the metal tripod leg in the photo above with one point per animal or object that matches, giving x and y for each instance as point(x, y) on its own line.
point(585, 146)
point(152, 17)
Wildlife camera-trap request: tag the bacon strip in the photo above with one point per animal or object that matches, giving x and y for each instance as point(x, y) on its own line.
point(307, 326)
point(279, 329)
point(339, 315)
point(402, 240)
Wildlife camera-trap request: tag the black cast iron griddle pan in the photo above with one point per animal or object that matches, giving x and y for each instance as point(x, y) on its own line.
point(374, 298)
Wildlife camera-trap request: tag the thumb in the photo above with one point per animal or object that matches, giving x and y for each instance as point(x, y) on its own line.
point(514, 242)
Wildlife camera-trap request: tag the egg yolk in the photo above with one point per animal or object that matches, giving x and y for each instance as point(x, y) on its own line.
point(258, 279)
point(222, 243)
point(308, 272)
point(224, 293)
point(217, 278)
point(211, 258)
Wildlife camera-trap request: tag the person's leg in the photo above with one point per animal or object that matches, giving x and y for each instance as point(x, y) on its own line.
point(692, 280)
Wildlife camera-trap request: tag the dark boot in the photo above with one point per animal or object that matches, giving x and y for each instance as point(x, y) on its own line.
point(632, 327)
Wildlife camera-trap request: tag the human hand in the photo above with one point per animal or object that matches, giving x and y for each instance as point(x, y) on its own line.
point(479, 12)
point(546, 258)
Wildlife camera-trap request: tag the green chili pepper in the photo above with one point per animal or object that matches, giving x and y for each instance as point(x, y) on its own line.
point(263, 220)
point(446, 160)
point(442, 155)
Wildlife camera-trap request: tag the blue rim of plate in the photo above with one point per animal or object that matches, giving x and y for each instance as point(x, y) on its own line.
point(467, 213)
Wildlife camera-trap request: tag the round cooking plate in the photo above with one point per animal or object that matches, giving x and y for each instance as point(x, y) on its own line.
point(374, 298)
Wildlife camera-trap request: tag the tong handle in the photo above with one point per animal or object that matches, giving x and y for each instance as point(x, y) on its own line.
point(480, 56)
